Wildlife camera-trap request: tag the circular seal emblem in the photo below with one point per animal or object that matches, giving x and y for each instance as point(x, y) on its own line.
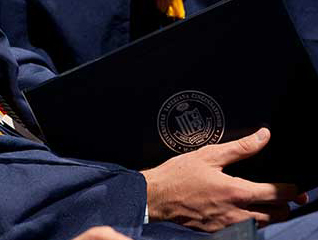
point(189, 120)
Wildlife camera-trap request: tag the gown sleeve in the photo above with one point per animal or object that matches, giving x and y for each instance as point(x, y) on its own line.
point(44, 196)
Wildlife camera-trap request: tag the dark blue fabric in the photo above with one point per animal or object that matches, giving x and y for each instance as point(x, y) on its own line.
point(67, 33)
point(44, 196)
point(194, 6)
point(47, 197)
point(170, 231)
point(304, 14)
point(20, 68)
point(51, 36)
point(301, 228)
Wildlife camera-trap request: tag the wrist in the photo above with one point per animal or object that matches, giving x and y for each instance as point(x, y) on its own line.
point(154, 197)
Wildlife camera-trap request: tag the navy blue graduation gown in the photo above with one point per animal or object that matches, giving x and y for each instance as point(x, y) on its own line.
point(44, 196)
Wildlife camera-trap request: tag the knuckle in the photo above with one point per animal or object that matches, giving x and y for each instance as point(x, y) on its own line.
point(205, 150)
point(208, 153)
point(244, 146)
point(241, 195)
point(229, 218)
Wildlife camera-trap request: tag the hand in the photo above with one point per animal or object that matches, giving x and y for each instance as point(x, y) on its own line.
point(101, 233)
point(192, 190)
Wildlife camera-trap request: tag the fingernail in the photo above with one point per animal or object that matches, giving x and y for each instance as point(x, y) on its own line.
point(261, 134)
point(306, 198)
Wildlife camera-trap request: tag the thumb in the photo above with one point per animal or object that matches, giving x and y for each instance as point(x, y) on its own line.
point(244, 147)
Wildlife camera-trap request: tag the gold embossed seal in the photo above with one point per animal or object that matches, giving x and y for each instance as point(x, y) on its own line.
point(189, 120)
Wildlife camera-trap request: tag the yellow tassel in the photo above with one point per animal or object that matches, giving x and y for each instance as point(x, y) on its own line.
point(172, 8)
